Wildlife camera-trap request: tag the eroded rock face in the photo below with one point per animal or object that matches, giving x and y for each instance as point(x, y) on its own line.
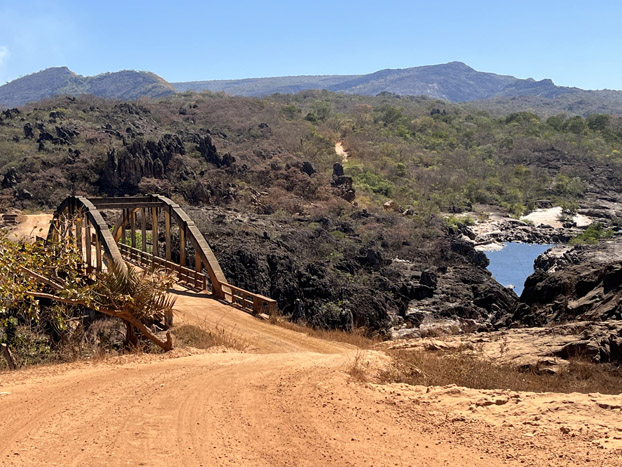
point(545, 349)
point(341, 184)
point(579, 283)
point(125, 169)
point(353, 281)
point(211, 155)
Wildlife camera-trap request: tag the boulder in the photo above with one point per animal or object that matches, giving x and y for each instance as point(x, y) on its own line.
point(10, 178)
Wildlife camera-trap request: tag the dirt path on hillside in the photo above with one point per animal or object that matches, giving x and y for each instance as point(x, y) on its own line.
point(341, 152)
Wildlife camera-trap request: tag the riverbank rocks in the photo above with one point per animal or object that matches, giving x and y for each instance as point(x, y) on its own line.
point(541, 349)
point(579, 283)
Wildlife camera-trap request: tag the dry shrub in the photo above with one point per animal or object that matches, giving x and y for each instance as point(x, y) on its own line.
point(441, 369)
point(358, 337)
point(201, 337)
point(357, 369)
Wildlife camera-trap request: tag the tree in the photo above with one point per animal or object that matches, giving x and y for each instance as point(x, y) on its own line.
point(598, 122)
point(575, 125)
point(45, 286)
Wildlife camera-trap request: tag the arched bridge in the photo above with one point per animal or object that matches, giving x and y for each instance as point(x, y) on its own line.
point(149, 230)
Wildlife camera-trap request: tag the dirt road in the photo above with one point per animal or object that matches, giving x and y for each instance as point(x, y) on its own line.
point(293, 406)
point(31, 226)
point(288, 401)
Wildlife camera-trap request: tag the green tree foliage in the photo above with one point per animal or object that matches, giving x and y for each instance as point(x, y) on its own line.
point(598, 122)
point(575, 125)
point(45, 287)
point(592, 234)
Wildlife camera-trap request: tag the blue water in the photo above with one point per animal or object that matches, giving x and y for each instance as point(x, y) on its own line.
point(514, 263)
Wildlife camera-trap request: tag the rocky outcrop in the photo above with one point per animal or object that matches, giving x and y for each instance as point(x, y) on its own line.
point(544, 350)
point(506, 229)
point(125, 169)
point(211, 155)
point(573, 283)
point(342, 185)
point(10, 178)
point(322, 272)
point(463, 298)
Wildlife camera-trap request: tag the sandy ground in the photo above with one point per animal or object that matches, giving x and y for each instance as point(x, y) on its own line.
point(31, 226)
point(288, 400)
point(550, 217)
point(291, 403)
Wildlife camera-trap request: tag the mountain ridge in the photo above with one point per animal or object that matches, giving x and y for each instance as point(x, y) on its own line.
point(125, 84)
point(453, 81)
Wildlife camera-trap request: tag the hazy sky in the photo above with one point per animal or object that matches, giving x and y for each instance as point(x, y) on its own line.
point(575, 43)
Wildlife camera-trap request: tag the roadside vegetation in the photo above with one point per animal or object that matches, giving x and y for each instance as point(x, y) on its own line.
point(52, 309)
point(433, 368)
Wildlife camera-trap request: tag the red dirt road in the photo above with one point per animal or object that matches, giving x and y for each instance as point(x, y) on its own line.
point(292, 404)
point(287, 401)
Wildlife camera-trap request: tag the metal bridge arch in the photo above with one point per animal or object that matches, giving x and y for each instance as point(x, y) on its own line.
point(80, 219)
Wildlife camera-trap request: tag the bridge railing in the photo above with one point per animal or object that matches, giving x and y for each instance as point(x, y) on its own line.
point(80, 220)
point(189, 277)
point(250, 301)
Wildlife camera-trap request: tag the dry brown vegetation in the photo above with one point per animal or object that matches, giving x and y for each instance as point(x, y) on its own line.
point(201, 337)
point(440, 369)
point(358, 337)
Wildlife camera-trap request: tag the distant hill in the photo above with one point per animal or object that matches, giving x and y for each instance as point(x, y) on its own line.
point(58, 81)
point(581, 103)
point(453, 81)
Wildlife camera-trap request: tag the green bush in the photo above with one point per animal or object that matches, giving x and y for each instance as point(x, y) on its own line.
point(592, 234)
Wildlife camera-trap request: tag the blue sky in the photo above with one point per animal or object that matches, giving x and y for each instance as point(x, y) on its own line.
point(574, 43)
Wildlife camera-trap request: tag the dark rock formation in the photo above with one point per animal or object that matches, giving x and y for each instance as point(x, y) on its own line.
point(308, 168)
point(28, 131)
point(207, 149)
point(465, 248)
point(66, 134)
point(10, 178)
point(22, 194)
point(363, 281)
point(341, 184)
point(125, 169)
point(579, 283)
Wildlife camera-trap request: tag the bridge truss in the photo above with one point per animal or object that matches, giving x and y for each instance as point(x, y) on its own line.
point(149, 230)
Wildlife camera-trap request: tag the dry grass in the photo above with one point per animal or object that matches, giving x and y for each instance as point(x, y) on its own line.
point(357, 369)
point(202, 337)
point(357, 338)
point(440, 369)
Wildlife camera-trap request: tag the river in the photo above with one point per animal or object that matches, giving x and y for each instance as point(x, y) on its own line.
point(512, 264)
